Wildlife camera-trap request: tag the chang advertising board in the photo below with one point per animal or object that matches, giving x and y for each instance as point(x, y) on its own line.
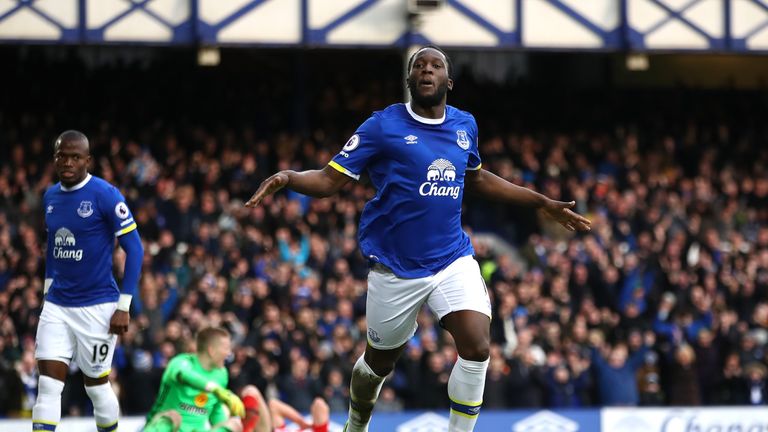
point(491, 421)
point(710, 419)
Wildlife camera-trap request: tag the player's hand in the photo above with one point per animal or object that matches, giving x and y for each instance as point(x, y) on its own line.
point(119, 322)
point(235, 405)
point(268, 187)
point(561, 212)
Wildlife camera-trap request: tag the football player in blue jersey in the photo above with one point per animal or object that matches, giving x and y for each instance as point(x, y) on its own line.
point(84, 310)
point(420, 156)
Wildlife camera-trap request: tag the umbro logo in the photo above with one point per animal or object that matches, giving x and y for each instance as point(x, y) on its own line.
point(373, 335)
point(411, 139)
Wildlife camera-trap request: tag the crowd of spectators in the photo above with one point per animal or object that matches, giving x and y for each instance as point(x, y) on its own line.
point(665, 302)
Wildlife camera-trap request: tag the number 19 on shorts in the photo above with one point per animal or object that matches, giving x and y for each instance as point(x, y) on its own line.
point(100, 352)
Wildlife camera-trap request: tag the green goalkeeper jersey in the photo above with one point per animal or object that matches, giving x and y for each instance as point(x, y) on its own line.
point(199, 409)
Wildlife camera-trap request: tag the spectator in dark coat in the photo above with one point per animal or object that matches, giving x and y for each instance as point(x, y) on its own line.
point(563, 390)
point(684, 384)
point(616, 375)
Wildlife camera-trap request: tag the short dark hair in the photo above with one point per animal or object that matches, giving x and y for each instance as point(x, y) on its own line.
point(436, 48)
point(208, 335)
point(70, 135)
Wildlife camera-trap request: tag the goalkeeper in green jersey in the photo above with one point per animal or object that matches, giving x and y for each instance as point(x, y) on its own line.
point(193, 392)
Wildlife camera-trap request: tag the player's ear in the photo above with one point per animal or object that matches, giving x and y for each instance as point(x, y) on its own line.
point(450, 84)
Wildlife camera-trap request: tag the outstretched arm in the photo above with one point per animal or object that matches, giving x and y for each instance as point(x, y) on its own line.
point(315, 183)
point(488, 185)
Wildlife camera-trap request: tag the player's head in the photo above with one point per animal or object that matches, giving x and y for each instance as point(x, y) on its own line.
point(214, 345)
point(71, 157)
point(429, 76)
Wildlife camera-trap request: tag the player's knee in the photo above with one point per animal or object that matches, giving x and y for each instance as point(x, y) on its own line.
point(49, 387)
point(234, 424)
point(479, 352)
point(249, 390)
point(319, 410)
point(382, 369)
point(319, 405)
point(380, 366)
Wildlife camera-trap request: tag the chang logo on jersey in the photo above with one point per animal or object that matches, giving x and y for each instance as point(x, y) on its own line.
point(63, 245)
point(192, 409)
point(440, 172)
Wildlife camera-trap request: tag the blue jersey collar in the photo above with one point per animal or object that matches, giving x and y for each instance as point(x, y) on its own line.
point(77, 186)
point(425, 120)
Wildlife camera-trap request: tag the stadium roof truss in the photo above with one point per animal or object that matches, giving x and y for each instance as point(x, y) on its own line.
point(611, 25)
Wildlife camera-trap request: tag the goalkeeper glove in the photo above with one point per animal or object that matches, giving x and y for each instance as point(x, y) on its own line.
point(235, 405)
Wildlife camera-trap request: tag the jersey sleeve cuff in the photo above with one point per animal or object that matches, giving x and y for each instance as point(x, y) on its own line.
point(341, 169)
point(126, 230)
point(475, 168)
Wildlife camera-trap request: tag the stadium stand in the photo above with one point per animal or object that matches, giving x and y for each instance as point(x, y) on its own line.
point(675, 181)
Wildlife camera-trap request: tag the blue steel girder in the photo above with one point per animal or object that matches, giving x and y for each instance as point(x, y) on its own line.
point(194, 30)
point(319, 36)
point(740, 44)
point(208, 33)
point(611, 38)
point(67, 34)
point(505, 38)
point(636, 39)
point(182, 33)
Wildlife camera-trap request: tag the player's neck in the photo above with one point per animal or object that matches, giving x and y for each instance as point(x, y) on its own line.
point(205, 362)
point(76, 184)
point(433, 112)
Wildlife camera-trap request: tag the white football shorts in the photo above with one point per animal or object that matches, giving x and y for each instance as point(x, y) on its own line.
point(393, 303)
point(79, 333)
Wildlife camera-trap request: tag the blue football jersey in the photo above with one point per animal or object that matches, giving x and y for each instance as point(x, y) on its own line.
point(417, 165)
point(82, 223)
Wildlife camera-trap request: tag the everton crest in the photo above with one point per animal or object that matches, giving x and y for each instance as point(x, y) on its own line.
point(85, 209)
point(463, 139)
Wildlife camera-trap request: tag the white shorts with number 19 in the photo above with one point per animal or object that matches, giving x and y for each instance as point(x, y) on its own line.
point(393, 303)
point(81, 333)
